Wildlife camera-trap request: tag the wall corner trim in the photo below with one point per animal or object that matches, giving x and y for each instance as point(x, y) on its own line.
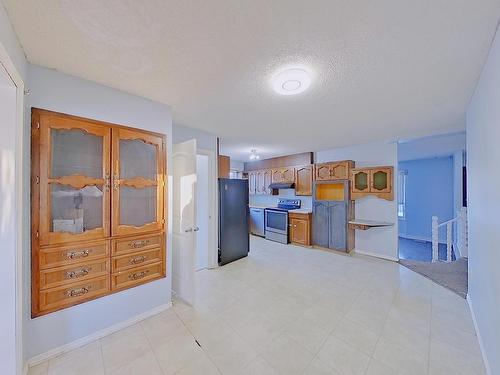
point(478, 334)
point(95, 336)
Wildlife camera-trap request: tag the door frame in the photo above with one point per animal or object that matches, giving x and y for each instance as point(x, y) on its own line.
point(212, 207)
point(16, 77)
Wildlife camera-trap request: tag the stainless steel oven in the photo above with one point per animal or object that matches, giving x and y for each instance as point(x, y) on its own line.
point(276, 225)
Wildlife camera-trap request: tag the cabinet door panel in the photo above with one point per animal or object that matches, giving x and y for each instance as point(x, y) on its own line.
point(138, 182)
point(323, 172)
point(381, 180)
point(288, 175)
point(339, 171)
point(74, 179)
point(321, 224)
point(299, 231)
point(277, 175)
point(267, 182)
point(252, 182)
point(303, 180)
point(337, 212)
point(361, 181)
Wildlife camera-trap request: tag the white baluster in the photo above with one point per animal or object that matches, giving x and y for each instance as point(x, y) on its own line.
point(435, 239)
point(448, 241)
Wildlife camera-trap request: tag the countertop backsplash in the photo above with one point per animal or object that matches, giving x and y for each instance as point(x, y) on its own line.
point(271, 200)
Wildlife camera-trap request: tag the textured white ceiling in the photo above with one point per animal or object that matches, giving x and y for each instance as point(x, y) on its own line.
point(382, 69)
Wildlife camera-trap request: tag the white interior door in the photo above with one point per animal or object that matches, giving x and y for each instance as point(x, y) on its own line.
point(202, 212)
point(184, 220)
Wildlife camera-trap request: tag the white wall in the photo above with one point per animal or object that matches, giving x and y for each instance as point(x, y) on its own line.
point(236, 165)
point(429, 147)
point(8, 227)
point(10, 43)
point(483, 156)
point(59, 92)
point(204, 140)
point(381, 242)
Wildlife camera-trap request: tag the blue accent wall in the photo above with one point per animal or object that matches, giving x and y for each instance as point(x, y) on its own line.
point(429, 192)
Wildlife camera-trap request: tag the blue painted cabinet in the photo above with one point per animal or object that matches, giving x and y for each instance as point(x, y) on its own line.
point(321, 224)
point(337, 215)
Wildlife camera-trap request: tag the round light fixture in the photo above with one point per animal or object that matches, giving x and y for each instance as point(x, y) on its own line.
point(291, 81)
point(253, 155)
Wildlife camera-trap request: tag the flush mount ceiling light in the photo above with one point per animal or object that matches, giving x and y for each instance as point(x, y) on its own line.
point(291, 81)
point(253, 155)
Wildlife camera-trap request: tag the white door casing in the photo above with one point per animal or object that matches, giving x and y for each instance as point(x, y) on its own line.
point(184, 220)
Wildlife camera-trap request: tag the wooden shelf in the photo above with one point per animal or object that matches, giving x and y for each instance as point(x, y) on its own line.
point(367, 224)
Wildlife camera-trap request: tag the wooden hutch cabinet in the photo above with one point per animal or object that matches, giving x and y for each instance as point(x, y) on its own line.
point(98, 218)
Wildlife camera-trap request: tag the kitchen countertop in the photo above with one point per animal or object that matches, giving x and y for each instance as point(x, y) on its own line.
point(301, 211)
point(297, 211)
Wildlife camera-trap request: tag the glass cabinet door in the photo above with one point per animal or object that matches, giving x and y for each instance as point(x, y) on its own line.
point(381, 180)
point(138, 182)
point(74, 179)
point(360, 183)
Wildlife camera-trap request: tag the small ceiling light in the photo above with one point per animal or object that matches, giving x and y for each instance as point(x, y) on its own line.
point(253, 155)
point(291, 81)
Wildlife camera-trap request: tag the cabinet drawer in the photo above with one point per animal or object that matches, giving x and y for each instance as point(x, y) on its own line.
point(63, 296)
point(53, 277)
point(123, 262)
point(134, 244)
point(72, 254)
point(136, 276)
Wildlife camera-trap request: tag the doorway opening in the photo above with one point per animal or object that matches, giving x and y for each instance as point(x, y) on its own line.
point(431, 212)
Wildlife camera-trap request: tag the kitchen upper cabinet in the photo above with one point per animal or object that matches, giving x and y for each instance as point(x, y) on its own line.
point(252, 182)
point(377, 181)
point(333, 170)
point(268, 176)
point(259, 181)
point(283, 175)
point(300, 228)
point(303, 180)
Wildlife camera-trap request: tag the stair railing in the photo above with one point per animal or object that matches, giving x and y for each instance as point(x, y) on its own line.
point(461, 233)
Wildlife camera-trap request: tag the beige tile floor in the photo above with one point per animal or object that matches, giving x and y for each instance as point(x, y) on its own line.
point(291, 310)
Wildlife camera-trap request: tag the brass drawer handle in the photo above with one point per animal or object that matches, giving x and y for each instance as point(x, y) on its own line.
point(138, 244)
point(137, 260)
point(138, 275)
point(78, 273)
point(78, 254)
point(77, 292)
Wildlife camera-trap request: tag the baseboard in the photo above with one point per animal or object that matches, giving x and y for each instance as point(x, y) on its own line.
point(478, 335)
point(95, 336)
point(375, 255)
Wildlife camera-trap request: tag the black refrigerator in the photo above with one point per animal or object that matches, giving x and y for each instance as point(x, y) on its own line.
point(234, 239)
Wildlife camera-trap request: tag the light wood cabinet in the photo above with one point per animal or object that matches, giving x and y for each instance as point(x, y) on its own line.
point(304, 180)
point(338, 170)
point(283, 175)
point(92, 183)
point(377, 181)
point(300, 228)
point(252, 182)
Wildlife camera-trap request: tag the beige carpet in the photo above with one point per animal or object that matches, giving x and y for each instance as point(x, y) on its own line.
point(452, 275)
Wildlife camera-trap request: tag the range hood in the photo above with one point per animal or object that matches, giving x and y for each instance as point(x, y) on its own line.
point(282, 185)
